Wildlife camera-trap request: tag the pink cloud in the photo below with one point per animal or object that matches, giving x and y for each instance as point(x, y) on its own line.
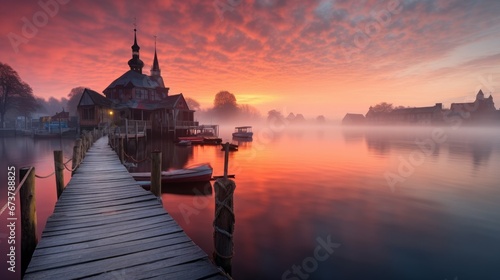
point(261, 47)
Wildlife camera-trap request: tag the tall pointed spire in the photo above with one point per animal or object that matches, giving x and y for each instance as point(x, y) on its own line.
point(135, 63)
point(135, 47)
point(155, 70)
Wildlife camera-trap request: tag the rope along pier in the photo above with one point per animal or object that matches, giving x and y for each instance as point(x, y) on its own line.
point(82, 144)
point(106, 226)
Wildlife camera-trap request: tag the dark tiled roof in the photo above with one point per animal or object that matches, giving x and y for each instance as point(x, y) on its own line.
point(169, 102)
point(355, 117)
point(416, 110)
point(98, 98)
point(136, 79)
point(61, 115)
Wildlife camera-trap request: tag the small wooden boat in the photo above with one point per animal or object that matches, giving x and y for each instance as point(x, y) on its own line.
point(243, 132)
point(212, 140)
point(187, 188)
point(201, 140)
point(195, 173)
point(184, 143)
point(192, 139)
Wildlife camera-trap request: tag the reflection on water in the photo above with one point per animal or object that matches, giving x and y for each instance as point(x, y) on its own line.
point(22, 152)
point(296, 186)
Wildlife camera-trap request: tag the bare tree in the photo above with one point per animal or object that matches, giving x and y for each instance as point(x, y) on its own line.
point(193, 104)
point(382, 107)
point(73, 98)
point(14, 93)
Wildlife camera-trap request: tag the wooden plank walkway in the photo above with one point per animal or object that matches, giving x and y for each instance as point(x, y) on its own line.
point(105, 226)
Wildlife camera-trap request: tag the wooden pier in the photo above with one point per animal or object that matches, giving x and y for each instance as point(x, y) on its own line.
point(105, 226)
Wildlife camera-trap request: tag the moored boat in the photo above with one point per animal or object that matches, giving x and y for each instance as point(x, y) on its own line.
point(243, 132)
point(184, 143)
point(192, 139)
point(195, 173)
point(201, 140)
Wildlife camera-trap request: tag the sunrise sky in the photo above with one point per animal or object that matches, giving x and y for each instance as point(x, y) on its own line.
point(313, 57)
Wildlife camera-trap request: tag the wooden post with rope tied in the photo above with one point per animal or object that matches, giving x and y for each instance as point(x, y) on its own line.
point(156, 173)
point(28, 215)
point(76, 155)
point(224, 218)
point(59, 167)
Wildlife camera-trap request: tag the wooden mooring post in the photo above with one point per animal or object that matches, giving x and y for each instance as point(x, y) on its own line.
point(226, 159)
point(121, 151)
point(76, 155)
point(126, 130)
point(136, 133)
point(224, 218)
point(59, 167)
point(28, 216)
point(156, 173)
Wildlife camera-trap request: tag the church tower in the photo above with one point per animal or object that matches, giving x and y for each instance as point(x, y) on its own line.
point(155, 70)
point(135, 63)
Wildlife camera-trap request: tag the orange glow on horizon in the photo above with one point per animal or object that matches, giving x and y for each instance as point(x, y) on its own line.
point(314, 62)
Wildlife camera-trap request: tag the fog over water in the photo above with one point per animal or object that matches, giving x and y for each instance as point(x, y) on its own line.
point(397, 202)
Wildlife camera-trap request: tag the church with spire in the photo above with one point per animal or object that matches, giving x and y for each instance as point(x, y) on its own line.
point(135, 96)
point(133, 85)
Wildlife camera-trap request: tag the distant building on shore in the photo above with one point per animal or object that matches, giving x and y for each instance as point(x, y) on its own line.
point(353, 119)
point(481, 111)
point(416, 115)
point(137, 96)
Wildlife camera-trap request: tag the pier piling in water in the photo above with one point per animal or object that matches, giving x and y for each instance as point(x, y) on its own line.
point(156, 173)
point(59, 171)
point(224, 218)
point(224, 223)
point(28, 216)
point(226, 159)
point(121, 154)
point(76, 155)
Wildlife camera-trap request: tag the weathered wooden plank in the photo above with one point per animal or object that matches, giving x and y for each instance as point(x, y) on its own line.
point(109, 251)
point(110, 220)
point(104, 210)
point(104, 198)
point(108, 203)
point(50, 241)
point(145, 221)
point(131, 236)
point(178, 268)
point(87, 269)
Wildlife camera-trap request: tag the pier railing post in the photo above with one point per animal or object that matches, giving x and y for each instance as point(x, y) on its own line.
point(28, 216)
point(59, 167)
point(121, 153)
point(226, 159)
point(224, 223)
point(136, 132)
point(156, 173)
point(76, 155)
point(126, 130)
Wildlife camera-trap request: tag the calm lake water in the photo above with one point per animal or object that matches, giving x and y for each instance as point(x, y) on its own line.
point(333, 203)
